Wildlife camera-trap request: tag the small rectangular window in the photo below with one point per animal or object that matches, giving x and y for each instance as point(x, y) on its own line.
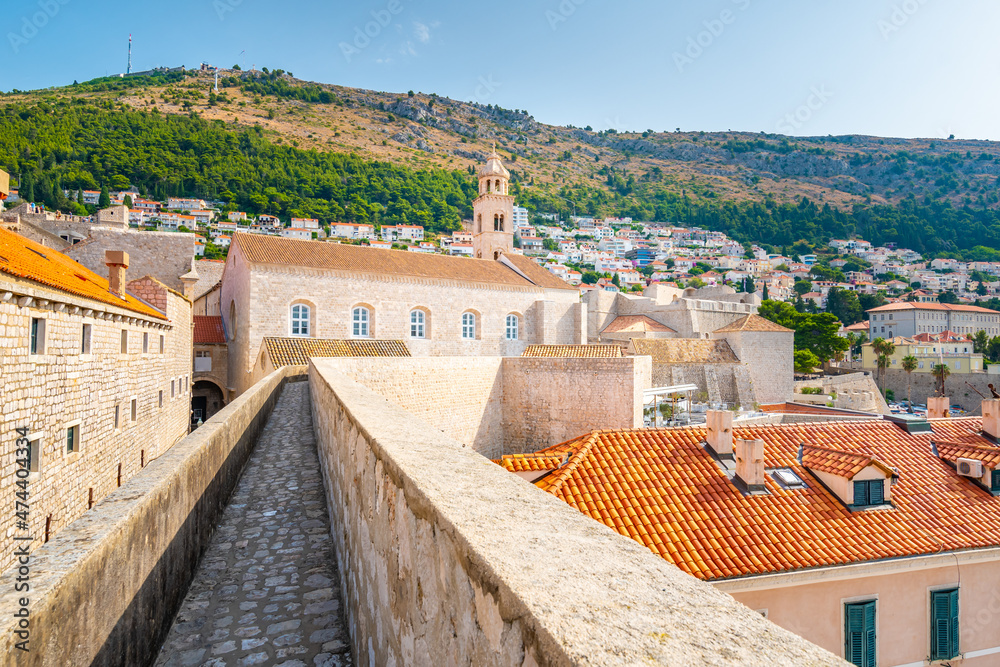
point(118, 410)
point(944, 624)
point(869, 492)
point(72, 439)
point(134, 409)
point(859, 634)
point(145, 342)
point(124, 341)
point(85, 339)
point(34, 457)
point(172, 384)
point(995, 481)
point(37, 335)
point(160, 400)
point(162, 343)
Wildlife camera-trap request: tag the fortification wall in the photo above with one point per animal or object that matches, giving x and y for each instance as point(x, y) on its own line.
point(445, 558)
point(106, 589)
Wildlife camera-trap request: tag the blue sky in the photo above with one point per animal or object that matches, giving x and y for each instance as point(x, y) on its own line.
point(905, 68)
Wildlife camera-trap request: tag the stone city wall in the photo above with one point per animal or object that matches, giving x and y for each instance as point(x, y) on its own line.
point(445, 558)
point(66, 388)
point(105, 591)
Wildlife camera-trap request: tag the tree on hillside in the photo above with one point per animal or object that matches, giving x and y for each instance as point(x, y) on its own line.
point(948, 297)
point(909, 364)
point(816, 332)
point(765, 296)
point(806, 362)
point(844, 304)
point(105, 200)
point(980, 341)
point(855, 340)
point(802, 287)
point(128, 201)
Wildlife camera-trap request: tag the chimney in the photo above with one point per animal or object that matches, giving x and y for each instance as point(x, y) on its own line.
point(750, 464)
point(117, 261)
point(938, 407)
point(719, 432)
point(991, 418)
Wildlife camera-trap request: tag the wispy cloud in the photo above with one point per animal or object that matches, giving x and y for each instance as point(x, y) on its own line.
point(422, 32)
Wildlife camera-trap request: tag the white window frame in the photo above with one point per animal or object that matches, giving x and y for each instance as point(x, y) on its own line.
point(418, 324)
point(513, 326)
point(361, 318)
point(468, 326)
point(86, 338)
point(34, 454)
point(77, 438)
point(40, 342)
point(301, 321)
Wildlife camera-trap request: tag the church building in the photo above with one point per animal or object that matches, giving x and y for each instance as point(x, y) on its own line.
point(494, 304)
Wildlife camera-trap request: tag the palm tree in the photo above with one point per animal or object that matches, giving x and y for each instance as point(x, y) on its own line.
point(883, 349)
point(855, 338)
point(909, 365)
point(941, 372)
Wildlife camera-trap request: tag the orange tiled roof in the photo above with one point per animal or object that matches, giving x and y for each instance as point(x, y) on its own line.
point(807, 409)
point(974, 448)
point(838, 462)
point(574, 351)
point(260, 249)
point(753, 323)
point(636, 324)
point(298, 351)
point(24, 258)
point(208, 329)
point(530, 462)
point(663, 489)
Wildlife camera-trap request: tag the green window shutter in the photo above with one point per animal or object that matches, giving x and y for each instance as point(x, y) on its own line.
point(859, 635)
point(860, 493)
point(944, 624)
point(996, 480)
point(876, 492)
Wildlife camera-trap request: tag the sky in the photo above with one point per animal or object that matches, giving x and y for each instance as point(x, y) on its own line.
point(894, 68)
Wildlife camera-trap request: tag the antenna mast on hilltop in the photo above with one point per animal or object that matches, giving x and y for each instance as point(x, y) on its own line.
point(129, 70)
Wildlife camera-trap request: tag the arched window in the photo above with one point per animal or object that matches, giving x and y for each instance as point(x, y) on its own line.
point(496, 222)
point(468, 326)
point(498, 185)
point(479, 223)
point(300, 319)
point(501, 223)
point(489, 186)
point(418, 324)
point(361, 319)
point(512, 326)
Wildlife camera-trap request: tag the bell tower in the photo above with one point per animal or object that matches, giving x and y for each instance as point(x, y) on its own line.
point(493, 211)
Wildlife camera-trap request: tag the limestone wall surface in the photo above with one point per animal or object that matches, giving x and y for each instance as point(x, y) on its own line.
point(165, 256)
point(726, 383)
point(769, 359)
point(961, 389)
point(106, 589)
point(445, 558)
point(856, 391)
point(548, 401)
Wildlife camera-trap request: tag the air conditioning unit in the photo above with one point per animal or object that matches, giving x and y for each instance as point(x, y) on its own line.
point(969, 467)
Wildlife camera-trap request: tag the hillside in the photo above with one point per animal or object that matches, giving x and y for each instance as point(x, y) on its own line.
point(938, 195)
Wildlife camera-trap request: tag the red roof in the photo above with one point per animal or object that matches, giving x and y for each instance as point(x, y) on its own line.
point(663, 489)
point(208, 329)
point(913, 305)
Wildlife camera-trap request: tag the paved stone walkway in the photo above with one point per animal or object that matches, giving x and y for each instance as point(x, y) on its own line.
point(266, 591)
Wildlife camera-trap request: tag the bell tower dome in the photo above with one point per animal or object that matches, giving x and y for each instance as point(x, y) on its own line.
point(493, 211)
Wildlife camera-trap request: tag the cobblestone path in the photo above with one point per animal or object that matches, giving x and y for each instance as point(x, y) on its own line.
point(266, 591)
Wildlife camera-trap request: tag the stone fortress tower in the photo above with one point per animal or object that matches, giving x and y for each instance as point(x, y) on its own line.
point(493, 211)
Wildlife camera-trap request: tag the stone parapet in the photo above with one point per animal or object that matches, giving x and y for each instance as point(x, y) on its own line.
point(445, 558)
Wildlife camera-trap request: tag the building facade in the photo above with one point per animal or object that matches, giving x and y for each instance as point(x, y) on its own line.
point(909, 319)
point(95, 373)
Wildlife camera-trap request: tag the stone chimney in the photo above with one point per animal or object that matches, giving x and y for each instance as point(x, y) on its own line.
point(117, 261)
point(938, 407)
point(991, 418)
point(719, 432)
point(750, 464)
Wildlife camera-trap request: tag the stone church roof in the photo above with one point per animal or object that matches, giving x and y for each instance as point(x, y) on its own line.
point(636, 324)
point(298, 351)
point(494, 167)
point(261, 249)
point(684, 350)
point(753, 323)
point(24, 258)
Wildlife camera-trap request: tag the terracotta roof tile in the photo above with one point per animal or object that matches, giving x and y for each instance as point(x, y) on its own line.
point(838, 462)
point(685, 350)
point(530, 462)
point(753, 323)
point(262, 249)
point(574, 351)
point(208, 329)
point(24, 258)
point(636, 324)
point(298, 351)
point(976, 447)
point(663, 489)
point(913, 305)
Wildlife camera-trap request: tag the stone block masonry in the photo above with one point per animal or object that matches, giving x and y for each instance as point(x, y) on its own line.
point(105, 590)
point(445, 558)
point(164, 255)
